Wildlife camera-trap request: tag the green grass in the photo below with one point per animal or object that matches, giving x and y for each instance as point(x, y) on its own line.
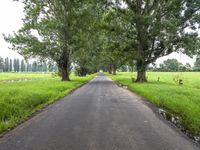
point(15, 76)
point(182, 100)
point(18, 100)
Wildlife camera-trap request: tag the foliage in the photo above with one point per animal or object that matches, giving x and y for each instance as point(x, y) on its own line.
point(197, 64)
point(160, 28)
point(170, 65)
point(49, 31)
point(116, 44)
point(93, 35)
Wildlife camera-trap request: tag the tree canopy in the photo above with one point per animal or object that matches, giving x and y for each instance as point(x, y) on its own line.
point(94, 35)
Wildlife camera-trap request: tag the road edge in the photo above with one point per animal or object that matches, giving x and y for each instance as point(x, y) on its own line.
point(42, 108)
point(155, 110)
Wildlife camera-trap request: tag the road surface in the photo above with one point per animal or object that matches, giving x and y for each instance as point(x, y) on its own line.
point(97, 116)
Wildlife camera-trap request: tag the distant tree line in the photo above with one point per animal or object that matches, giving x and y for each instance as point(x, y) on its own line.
point(169, 65)
point(172, 65)
point(17, 65)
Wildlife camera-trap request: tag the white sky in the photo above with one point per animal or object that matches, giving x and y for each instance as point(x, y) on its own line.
point(11, 14)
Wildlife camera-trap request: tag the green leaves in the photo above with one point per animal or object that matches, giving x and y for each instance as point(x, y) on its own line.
point(119, 31)
point(53, 29)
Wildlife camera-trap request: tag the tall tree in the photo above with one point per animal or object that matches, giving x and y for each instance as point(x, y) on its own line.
point(34, 66)
point(87, 42)
point(171, 65)
point(197, 64)
point(48, 31)
point(6, 64)
point(44, 67)
point(23, 66)
point(1, 64)
point(160, 27)
point(11, 65)
point(17, 65)
point(116, 43)
point(29, 67)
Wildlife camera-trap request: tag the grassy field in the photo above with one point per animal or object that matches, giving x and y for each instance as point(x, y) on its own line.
point(18, 100)
point(182, 100)
point(18, 76)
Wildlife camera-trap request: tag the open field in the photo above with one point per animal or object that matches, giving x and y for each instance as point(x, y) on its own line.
point(18, 76)
point(182, 100)
point(18, 100)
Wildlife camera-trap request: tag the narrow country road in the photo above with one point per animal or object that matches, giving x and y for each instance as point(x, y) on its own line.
point(97, 116)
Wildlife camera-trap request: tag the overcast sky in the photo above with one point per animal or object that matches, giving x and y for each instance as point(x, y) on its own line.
point(11, 14)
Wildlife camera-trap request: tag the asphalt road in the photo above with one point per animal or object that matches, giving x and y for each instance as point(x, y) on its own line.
point(97, 116)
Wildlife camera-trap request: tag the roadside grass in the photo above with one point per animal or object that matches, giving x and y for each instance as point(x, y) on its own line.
point(18, 100)
point(14, 76)
point(182, 100)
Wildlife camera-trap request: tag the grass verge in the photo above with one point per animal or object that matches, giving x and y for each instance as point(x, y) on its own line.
point(182, 100)
point(19, 100)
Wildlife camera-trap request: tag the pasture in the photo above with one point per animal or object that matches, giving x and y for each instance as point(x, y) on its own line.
point(20, 76)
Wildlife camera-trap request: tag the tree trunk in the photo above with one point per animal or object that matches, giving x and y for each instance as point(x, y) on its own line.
point(110, 69)
point(114, 69)
point(83, 72)
point(64, 70)
point(141, 71)
point(64, 74)
point(141, 76)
